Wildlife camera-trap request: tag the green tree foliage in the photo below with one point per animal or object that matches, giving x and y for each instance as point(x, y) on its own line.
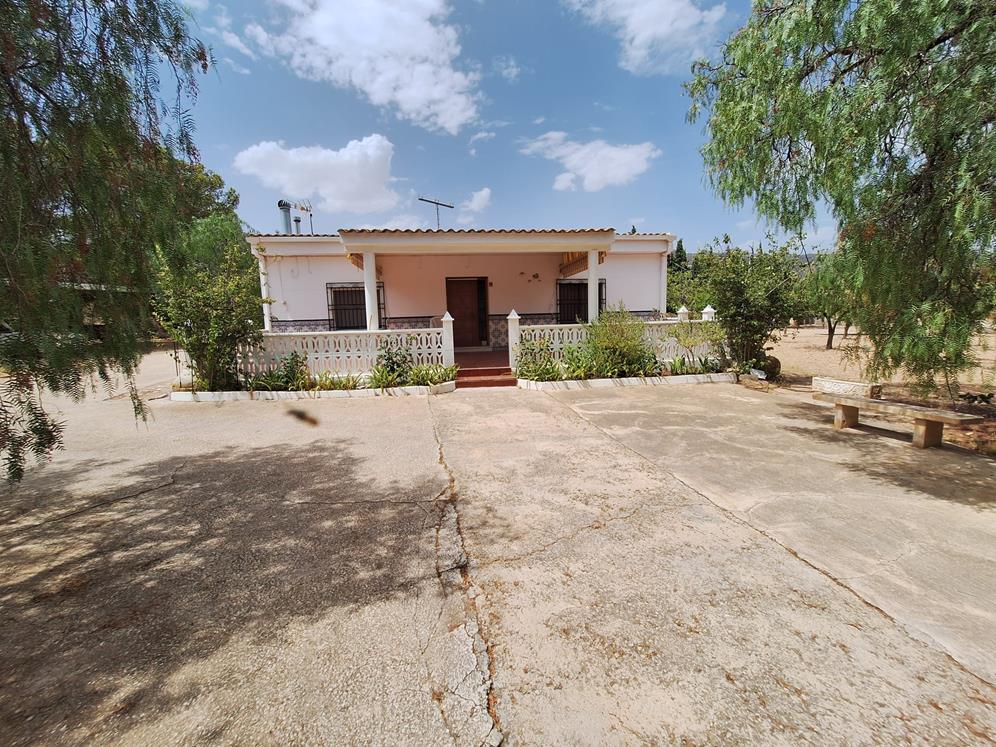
point(756, 294)
point(687, 285)
point(886, 112)
point(678, 261)
point(828, 290)
point(89, 184)
point(208, 298)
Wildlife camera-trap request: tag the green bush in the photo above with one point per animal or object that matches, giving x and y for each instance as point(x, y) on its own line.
point(616, 346)
point(430, 375)
point(207, 298)
point(395, 357)
point(383, 377)
point(535, 361)
point(327, 381)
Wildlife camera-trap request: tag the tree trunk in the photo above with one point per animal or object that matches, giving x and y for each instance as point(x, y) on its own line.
point(831, 328)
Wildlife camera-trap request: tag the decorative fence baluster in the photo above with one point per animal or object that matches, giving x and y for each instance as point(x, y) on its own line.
point(340, 352)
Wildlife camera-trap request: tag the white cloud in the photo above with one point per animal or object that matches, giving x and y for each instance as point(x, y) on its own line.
point(478, 202)
point(240, 69)
point(596, 164)
point(352, 179)
point(507, 68)
point(223, 30)
point(539, 120)
point(482, 136)
point(196, 4)
point(657, 36)
point(399, 55)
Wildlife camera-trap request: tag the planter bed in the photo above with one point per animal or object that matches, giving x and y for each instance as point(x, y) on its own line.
point(398, 391)
point(549, 386)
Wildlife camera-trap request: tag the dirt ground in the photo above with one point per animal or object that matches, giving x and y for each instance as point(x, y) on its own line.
point(803, 354)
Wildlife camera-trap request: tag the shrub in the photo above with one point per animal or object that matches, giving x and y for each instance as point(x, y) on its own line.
point(208, 298)
point(430, 374)
point(536, 362)
point(395, 357)
point(616, 346)
point(294, 372)
point(757, 293)
point(327, 381)
point(382, 377)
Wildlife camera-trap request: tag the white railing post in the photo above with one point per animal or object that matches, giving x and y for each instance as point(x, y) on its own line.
point(513, 339)
point(448, 357)
point(709, 314)
point(592, 285)
point(683, 314)
point(370, 305)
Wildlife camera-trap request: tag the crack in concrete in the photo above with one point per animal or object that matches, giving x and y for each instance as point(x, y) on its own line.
point(840, 582)
point(452, 560)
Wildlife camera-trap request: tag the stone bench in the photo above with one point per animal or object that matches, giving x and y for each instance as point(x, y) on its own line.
point(844, 388)
point(928, 422)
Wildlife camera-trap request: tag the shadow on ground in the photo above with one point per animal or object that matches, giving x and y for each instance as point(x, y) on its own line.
point(101, 606)
point(950, 473)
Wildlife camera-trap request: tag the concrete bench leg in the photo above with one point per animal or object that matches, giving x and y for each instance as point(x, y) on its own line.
point(927, 433)
point(844, 416)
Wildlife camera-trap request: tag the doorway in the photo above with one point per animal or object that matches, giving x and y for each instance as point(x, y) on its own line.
point(467, 302)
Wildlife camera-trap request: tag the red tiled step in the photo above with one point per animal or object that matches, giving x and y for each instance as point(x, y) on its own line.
point(481, 381)
point(466, 373)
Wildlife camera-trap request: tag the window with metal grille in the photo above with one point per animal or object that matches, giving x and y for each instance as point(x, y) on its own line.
point(347, 306)
point(572, 300)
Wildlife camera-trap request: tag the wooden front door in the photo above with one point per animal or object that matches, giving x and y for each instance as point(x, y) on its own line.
point(463, 301)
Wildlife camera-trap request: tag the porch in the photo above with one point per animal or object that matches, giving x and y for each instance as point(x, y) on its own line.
point(398, 280)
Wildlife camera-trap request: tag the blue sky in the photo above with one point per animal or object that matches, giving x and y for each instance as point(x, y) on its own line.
point(523, 113)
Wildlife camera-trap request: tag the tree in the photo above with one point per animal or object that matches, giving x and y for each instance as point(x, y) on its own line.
point(208, 298)
point(89, 184)
point(827, 291)
point(756, 293)
point(885, 112)
point(678, 261)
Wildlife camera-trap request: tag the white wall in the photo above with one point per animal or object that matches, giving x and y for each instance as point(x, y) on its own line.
point(633, 279)
point(297, 284)
point(416, 285)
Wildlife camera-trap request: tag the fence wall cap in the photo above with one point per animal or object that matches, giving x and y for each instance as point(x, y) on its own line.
point(512, 315)
point(446, 317)
point(708, 308)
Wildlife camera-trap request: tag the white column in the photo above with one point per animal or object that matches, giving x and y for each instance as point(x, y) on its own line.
point(683, 314)
point(448, 357)
point(592, 285)
point(370, 288)
point(709, 314)
point(513, 339)
point(264, 290)
point(663, 288)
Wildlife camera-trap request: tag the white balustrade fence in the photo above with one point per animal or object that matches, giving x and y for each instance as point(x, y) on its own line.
point(659, 334)
point(347, 352)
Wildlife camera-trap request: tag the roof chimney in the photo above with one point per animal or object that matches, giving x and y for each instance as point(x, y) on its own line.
point(285, 213)
point(297, 224)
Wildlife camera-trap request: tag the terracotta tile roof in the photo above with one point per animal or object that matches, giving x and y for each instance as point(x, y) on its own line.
point(307, 235)
point(428, 231)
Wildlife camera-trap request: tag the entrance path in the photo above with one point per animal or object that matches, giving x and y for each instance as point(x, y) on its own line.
point(620, 605)
point(913, 532)
point(460, 569)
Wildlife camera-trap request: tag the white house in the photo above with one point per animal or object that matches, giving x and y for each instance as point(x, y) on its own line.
point(409, 279)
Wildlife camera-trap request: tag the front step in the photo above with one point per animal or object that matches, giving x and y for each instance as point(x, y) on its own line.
point(470, 382)
point(467, 373)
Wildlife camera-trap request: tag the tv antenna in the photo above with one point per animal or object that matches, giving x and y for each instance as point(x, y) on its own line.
point(438, 205)
point(305, 207)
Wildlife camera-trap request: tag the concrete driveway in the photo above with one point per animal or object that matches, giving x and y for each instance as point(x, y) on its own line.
point(485, 565)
